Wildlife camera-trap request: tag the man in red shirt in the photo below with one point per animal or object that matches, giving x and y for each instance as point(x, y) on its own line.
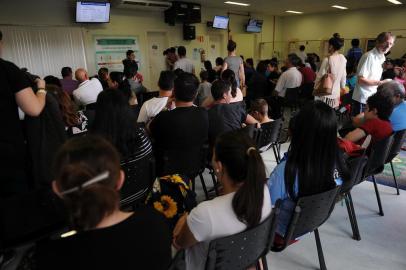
point(375, 121)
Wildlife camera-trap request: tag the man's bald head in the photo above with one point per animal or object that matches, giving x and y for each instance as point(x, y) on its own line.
point(81, 75)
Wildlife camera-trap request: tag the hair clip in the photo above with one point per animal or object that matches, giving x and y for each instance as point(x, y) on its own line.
point(250, 149)
point(92, 181)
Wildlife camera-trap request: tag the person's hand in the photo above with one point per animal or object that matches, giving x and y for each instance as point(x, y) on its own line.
point(40, 83)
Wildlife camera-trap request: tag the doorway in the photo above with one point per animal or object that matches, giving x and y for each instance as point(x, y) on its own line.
point(157, 43)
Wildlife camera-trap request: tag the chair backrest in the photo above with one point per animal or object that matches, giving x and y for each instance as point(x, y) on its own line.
point(378, 153)
point(399, 138)
point(139, 177)
point(270, 132)
point(356, 166)
point(311, 212)
point(239, 251)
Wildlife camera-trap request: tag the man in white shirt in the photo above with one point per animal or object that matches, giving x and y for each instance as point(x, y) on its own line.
point(369, 71)
point(291, 78)
point(152, 107)
point(88, 90)
point(184, 63)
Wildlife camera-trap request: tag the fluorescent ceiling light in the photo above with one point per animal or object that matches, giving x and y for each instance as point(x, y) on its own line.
point(295, 12)
point(339, 7)
point(237, 3)
point(396, 2)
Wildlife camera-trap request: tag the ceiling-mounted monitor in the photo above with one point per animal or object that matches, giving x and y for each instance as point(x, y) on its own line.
point(254, 26)
point(92, 12)
point(220, 22)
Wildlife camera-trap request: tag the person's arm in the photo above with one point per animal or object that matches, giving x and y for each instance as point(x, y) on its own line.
point(358, 120)
point(207, 102)
point(355, 135)
point(241, 75)
point(367, 82)
point(182, 236)
point(30, 103)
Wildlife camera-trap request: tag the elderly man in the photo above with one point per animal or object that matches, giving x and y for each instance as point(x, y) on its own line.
point(88, 90)
point(396, 91)
point(369, 71)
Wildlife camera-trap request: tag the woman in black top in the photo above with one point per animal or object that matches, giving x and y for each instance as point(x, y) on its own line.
point(88, 177)
point(116, 122)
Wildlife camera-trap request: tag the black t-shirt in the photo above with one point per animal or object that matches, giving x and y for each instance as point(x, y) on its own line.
point(128, 63)
point(225, 117)
point(12, 149)
point(180, 132)
point(142, 241)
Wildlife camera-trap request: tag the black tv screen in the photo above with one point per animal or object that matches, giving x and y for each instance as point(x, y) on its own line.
point(220, 22)
point(92, 12)
point(254, 26)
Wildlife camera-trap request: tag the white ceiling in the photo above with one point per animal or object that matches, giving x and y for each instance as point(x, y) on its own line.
point(278, 7)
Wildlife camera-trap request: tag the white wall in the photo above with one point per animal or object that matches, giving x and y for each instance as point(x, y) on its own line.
point(363, 24)
point(136, 23)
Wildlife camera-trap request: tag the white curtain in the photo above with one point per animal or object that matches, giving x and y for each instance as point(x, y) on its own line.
point(44, 50)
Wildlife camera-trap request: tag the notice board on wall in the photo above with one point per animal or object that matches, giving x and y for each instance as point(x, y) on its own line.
point(111, 50)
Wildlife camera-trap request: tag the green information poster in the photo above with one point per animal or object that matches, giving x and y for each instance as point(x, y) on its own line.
point(110, 51)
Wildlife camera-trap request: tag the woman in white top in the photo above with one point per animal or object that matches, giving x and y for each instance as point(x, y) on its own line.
point(337, 63)
point(245, 203)
point(229, 76)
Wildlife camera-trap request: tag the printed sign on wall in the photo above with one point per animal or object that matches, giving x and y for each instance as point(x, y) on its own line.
point(111, 50)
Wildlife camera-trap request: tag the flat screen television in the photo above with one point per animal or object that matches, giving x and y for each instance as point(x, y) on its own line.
point(220, 22)
point(92, 12)
point(254, 26)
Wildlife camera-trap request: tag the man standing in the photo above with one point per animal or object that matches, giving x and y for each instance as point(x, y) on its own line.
point(369, 71)
point(67, 81)
point(302, 54)
point(88, 90)
point(15, 92)
point(130, 59)
point(184, 63)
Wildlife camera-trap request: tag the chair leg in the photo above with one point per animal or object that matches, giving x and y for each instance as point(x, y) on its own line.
point(378, 198)
point(350, 214)
point(204, 186)
point(263, 263)
point(356, 234)
point(320, 250)
point(394, 178)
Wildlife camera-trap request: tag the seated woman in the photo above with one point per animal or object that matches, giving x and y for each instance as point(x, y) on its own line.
point(310, 166)
point(116, 122)
point(229, 75)
point(245, 203)
point(75, 121)
point(87, 178)
point(374, 121)
point(259, 110)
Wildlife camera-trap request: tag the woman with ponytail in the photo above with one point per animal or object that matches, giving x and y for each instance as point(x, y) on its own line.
point(245, 203)
point(87, 178)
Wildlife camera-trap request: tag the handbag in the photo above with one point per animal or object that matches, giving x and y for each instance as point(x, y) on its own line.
point(324, 86)
point(172, 196)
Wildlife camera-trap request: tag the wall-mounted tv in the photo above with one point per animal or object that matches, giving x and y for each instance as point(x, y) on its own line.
point(254, 26)
point(92, 12)
point(220, 22)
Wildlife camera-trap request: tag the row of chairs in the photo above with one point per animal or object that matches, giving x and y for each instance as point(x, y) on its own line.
point(245, 249)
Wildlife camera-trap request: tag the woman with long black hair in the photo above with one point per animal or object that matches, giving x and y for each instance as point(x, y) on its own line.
point(244, 204)
point(313, 163)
